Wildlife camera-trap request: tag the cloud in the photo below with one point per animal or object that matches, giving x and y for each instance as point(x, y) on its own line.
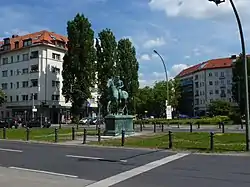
point(198, 9)
point(177, 68)
point(152, 43)
point(145, 57)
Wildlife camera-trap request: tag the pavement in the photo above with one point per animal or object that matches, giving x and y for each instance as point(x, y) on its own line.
point(25, 164)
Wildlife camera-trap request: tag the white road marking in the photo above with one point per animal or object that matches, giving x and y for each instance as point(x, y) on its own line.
point(136, 171)
point(44, 172)
point(91, 158)
point(11, 150)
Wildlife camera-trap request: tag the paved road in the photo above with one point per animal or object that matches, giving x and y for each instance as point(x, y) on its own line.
point(29, 164)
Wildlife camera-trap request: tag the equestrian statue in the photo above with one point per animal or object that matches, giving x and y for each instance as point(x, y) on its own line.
point(117, 96)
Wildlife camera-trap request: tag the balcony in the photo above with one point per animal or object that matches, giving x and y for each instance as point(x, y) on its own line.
point(222, 77)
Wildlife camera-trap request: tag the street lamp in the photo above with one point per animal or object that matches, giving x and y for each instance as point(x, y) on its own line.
point(217, 2)
point(166, 73)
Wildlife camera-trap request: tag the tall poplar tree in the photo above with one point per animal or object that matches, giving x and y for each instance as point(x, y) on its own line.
point(127, 68)
point(106, 47)
point(79, 63)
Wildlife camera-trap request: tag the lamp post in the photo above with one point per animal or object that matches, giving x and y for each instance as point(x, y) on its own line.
point(166, 73)
point(217, 2)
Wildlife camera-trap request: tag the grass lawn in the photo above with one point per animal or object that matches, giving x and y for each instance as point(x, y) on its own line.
point(199, 141)
point(44, 134)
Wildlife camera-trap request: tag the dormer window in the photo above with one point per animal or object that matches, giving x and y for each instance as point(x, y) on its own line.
point(16, 44)
point(27, 42)
point(6, 41)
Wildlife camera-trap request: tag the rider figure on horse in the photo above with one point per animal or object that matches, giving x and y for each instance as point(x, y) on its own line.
point(119, 85)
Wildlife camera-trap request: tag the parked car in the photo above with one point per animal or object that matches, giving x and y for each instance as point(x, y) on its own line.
point(96, 120)
point(9, 123)
point(85, 121)
point(38, 123)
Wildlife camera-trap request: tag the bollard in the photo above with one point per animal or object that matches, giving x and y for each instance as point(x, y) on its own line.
point(223, 127)
point(60, 125)
point(198, 125)
point(123, 137)
point(84, 136)
point(73, 133)
point(141, 127)
point(191, 127)
point(4, 133)
point(241, 125)
point(77, 126)
point(162, 128)
point(219, 125)
point(178, 125)
point(170, 142)
point(27, 133)
point(211, 141)
point(154, 127)
point(99, 134)
point(56, 135)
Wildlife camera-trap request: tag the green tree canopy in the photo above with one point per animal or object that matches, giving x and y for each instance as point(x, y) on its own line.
point(106, 47)
point(127, 68)
point(220, 108)
point(2, 97)
point(79, 63)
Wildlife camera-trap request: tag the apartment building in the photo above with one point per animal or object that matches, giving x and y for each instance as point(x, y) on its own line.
point(31, 75)
point(204, 83)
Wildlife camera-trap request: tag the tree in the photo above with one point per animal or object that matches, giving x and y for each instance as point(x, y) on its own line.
point(127, 68)
point(238, 86)
point(220, 108)
point(106, 47)
point(78, 66)
point(175, 93)
point(2, 97)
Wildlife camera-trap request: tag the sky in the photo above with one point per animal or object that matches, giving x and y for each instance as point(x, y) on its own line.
point(184, 32)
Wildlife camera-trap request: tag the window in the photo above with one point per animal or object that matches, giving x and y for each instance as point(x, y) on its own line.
point(229, 91)
point(25, 97)
point(11, 72)
point(27, 42)
point(4, 86)
point(56, 56)
point(211, 92)
point(210, 74)
point(17, 97)
point(5, 73)
point(11, 85)
point(17, 58)
point(25, 84)
point(216, 83)
point(196, 77)
point(222, 74)
point(210, 83)
point(6, 47)
point(216, 91)
point(16, 45)
point(6, 41)
point(17, 85)
point(216, 74)
point(34, 54)
point(18, 72)
point(25, 56)
point(228, 82)
point(11, 59)
point(25, 70)
point(34, 82)
point(55, 70)
point(10, 98)
point(55, 97)
point(34, 95)
point(34, 68)
point(222, 82)
point(56, 84)
point(196, 85)
point(5, 61)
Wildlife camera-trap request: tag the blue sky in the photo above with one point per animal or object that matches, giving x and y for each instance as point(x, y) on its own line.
point(184, 32)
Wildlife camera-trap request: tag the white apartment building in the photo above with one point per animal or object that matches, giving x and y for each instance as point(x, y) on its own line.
point(31, 74)
point(212, 80)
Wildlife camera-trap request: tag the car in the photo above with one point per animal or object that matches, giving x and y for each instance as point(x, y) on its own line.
point(85, 121)
point(9, 123)
point(96, 121)
point(38, 123)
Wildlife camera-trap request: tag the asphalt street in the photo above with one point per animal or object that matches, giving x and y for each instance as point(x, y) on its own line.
point(31, 164)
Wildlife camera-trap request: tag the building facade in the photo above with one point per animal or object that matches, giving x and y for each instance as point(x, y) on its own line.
point(204, 83)
point(31, 76)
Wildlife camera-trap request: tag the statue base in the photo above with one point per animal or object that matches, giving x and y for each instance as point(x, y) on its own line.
point(114, 124)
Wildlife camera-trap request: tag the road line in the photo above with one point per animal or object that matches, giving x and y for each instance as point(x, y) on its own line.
point(11, 150)
point(136, 171)
point(93, 158)
point(44, 172)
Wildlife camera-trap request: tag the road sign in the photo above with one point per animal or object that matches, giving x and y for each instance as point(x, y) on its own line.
point(169, 112)
point(34, 110)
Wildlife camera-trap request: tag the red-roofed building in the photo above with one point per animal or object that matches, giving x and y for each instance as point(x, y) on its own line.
point(31, 75)
point(205, 82)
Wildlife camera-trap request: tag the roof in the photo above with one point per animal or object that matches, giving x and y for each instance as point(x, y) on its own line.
point(210, 64)
point(36, 38)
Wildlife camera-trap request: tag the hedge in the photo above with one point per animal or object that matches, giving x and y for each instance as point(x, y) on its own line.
point(202, 121)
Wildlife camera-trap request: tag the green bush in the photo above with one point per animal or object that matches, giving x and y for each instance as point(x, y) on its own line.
point(204, 121)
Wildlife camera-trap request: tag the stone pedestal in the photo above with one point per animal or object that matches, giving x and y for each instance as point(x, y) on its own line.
point(114, 124)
